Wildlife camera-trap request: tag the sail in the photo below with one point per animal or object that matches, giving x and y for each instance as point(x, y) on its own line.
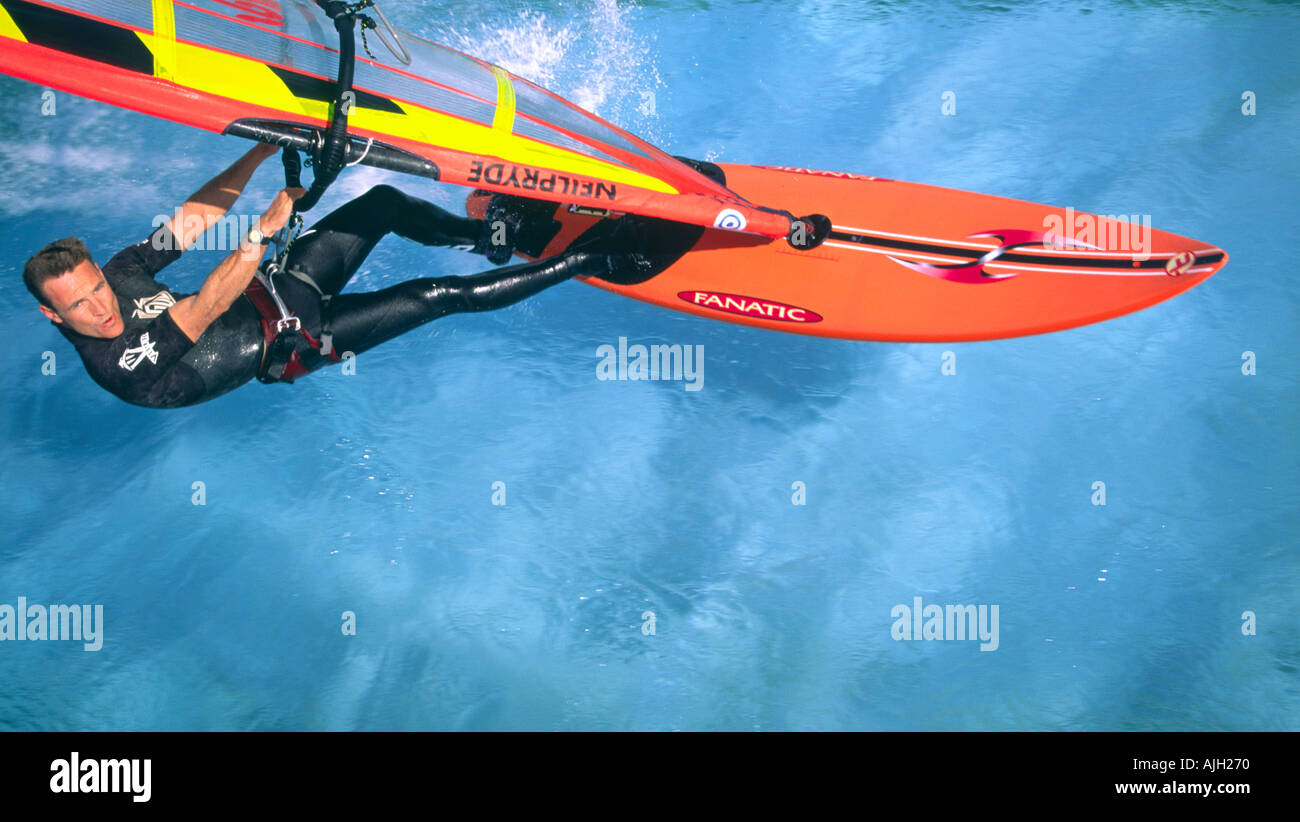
point(265, 69)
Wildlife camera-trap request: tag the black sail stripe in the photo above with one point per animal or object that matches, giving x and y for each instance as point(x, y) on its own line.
point(80, 36)
point(1009, 257)
point(306, 87)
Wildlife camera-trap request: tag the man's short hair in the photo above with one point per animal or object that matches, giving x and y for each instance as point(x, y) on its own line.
point(52, 262)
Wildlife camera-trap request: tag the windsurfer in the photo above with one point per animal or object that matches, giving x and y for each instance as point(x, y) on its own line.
point(154, 347)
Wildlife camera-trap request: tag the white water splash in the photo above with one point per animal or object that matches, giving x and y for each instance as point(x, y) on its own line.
point(596, 58)
point(530, 45)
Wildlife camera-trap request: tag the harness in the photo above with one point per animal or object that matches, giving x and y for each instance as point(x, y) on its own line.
point(290, 349)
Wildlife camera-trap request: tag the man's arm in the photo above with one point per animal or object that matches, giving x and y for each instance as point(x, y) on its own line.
point(211, 202)
point(228, 280)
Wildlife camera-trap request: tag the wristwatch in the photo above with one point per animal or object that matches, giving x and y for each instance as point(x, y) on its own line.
point(256, 237)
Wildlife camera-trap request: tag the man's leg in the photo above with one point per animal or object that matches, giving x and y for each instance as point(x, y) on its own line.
point(332, 250)
point(362, 321)
point(330, 253)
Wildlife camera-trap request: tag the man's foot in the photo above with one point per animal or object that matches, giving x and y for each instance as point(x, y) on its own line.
point(502, 222)
point(628, 268)
point(633, 250)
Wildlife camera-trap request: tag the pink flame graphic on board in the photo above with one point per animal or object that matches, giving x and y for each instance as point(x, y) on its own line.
point(974, 272)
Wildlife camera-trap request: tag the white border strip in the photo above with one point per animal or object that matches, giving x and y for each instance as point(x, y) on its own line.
point(967, 244)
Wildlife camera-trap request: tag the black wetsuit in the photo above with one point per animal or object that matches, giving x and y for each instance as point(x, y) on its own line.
point(152, 363)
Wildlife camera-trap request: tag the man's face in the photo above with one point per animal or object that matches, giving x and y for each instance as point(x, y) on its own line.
point(84, 301)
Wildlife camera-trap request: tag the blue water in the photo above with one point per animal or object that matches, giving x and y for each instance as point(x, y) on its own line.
point(373, 493)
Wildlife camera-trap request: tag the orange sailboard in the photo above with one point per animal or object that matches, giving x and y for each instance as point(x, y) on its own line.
point(911, 263)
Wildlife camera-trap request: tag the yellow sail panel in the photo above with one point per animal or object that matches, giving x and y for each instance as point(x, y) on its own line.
point(237, 78)
point(437, 129)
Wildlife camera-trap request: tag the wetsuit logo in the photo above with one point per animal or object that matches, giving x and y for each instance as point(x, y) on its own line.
point(134, 356)
point(146, 308)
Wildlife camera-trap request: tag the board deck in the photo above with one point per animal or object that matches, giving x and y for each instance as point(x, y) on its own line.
point(909, 262)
